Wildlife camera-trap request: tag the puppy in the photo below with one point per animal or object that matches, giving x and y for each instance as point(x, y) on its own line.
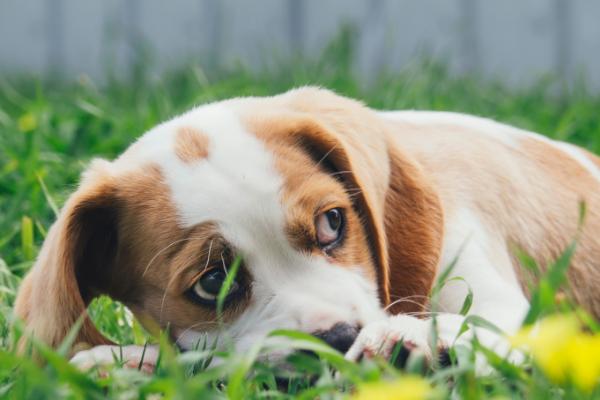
point(343, 217)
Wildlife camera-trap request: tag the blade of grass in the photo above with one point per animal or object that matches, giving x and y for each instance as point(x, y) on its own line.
point(27, 238)
point(227, 283)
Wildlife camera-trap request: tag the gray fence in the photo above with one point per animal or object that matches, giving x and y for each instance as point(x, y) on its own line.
point(513, 40)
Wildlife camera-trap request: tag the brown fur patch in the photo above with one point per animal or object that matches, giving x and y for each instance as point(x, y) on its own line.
point(191, 145)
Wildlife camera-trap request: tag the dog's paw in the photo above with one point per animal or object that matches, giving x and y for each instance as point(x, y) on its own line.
point(128, 356)
point(380, 338)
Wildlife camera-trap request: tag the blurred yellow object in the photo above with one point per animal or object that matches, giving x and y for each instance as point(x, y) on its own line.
point(406, 388)
point(584, 353)
point(563, 351)
point(27, 122)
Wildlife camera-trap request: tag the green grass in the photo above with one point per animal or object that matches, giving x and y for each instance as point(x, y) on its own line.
point(49, 131)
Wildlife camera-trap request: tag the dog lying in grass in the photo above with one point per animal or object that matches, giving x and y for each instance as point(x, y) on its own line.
point(338, 220)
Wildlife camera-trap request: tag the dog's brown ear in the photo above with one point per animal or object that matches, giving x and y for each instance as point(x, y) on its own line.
point(77, 255)
point(401, 211)
point(414, 227)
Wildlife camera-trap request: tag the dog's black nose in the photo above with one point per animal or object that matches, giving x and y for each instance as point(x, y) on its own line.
point(340, 336)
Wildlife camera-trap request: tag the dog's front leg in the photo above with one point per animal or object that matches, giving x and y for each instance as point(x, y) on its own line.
point(132, 356)
point(380, 338)
point(419, 335)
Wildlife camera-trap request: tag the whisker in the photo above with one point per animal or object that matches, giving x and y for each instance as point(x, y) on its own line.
point(161, 251)
point(162, 305)
point(162, 302)
point(224, 265)
point(320, 161)
point(354, 191)
point(326, 155)
point(339, 173)
point(208, 257)
point(423, 313)
point(414, 296)
point(409, 299)
point(189, 328)
point(352, 195)
point(399, 301)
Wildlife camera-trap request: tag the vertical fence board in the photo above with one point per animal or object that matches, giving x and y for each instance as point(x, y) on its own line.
point(469, 35)
point(585, 44)
point(516, 39)
point(130, 25)
point(563, 24)
point(255, 36)
point(177, 31)
point(212, 16)
point(296, 23)
point(86, 39)
point(371, 57)
point(424, 28)
point(22, 36)
point(54, 27)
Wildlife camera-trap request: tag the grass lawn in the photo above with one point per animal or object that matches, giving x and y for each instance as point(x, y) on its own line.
point(48, 133)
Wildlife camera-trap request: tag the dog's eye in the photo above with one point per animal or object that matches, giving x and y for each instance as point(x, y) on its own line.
point(207, 287)
point(330, 225)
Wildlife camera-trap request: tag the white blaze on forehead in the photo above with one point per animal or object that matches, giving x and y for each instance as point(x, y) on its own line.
point(236, 184)
point(236, 181)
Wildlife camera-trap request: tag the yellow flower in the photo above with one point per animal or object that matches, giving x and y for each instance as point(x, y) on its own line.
point(406, 388)
point(562, 351)
point(27, 122)
point(547, 341)
point(584, 357)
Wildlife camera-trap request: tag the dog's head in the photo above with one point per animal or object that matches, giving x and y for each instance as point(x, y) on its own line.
point(330, 223)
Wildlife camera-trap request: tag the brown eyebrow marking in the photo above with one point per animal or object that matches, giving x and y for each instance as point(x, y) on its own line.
point(191, 144)
point(196, 258)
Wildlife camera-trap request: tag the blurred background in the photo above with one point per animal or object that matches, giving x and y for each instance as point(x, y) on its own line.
point(81, 79)
point(514, 41)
